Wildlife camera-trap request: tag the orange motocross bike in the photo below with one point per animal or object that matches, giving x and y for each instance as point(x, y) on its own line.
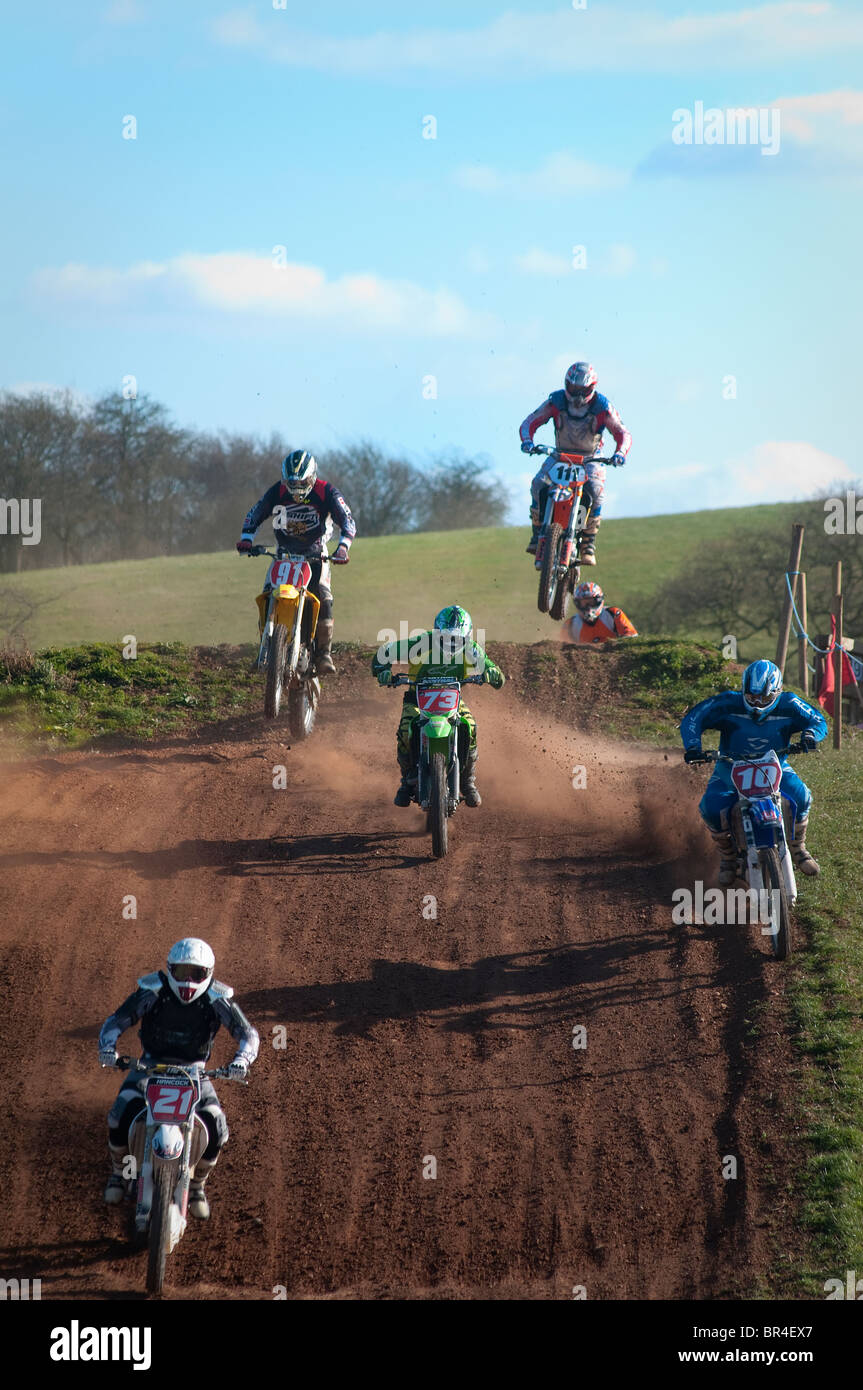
point(287, 621)
point(562, 525)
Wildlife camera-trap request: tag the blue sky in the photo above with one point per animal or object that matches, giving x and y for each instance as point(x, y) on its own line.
point(407, 258)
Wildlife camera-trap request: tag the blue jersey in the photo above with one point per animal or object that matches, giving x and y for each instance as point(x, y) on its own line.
point(741, 736)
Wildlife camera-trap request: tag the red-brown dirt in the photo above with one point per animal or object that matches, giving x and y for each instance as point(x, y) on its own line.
point(406, 1037)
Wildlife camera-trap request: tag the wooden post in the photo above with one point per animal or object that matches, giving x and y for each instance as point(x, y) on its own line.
point(837, 656)
point(793, 566)
point(802, 665)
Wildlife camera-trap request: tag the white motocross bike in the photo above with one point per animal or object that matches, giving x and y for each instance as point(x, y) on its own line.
point(166, 1140)
point(760, 835)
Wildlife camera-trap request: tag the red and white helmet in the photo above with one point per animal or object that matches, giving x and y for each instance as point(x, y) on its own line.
point(190, 968)
point(589, 600)
point(580, 384)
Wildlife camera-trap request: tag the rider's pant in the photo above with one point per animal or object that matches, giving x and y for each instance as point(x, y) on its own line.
point(407, 753)
point(720, 796)
point(593, 492)
point(130, 1102)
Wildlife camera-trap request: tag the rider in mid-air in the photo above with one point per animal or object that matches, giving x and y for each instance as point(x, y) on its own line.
point(580, 416)
point(445, 650)
point(180, 1010)
point(304, 508)
point(752, 721)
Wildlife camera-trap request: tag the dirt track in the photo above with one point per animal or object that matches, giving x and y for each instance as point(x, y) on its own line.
point(406, 1037)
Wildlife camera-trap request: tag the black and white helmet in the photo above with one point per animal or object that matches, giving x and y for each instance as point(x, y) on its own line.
point(299, 474)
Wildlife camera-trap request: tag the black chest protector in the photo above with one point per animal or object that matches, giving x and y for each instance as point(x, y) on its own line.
point(175, 1032)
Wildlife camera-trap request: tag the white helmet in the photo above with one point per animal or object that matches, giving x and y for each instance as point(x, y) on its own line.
point(190, 968)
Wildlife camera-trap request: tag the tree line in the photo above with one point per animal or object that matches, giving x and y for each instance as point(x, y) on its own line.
point(119, 479)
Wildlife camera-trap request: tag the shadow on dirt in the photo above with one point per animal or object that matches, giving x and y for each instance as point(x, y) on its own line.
point(270, 856)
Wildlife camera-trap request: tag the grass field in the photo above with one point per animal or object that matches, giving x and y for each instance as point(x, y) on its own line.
point(209, 599)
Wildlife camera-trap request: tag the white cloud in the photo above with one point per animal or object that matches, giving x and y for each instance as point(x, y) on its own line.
point(241, 282)
point(618, 259)
point(802, 117)
point(124, 12)
point(539, 262)
point(557, 175)
point(598, 38)
point(782, 470)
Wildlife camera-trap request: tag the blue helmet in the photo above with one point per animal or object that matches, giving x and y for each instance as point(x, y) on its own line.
point(762, 686)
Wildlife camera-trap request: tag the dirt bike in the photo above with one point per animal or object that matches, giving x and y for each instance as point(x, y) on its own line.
point(288, 619)
point(760, 834)
point(166, 1141)
point(562, 526)
point(437, 788)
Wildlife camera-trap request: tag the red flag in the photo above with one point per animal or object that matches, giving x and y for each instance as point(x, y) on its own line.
point(825, 694)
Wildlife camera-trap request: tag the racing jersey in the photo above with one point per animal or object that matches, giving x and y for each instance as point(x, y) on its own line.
point(175, 1032)
point(435, 655)
point(741, 736)
point(612, 622)
point(578, 433)
point(303, 528)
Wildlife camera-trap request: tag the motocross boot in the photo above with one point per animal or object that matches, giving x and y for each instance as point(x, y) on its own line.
point(724, 842)
point(800, 854)
point(198, 1204)
point(408, 785)
point(323, 654)
point(117, 1186)
point(587, 548)
point(469, 789)
point(534, 534)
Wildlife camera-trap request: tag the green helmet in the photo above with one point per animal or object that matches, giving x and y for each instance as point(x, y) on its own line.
point(454, 620)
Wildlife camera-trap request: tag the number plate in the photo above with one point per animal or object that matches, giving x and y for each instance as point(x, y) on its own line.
point(168, 1102)
point(754, 778)
point(296, 572)
point(567, 474)
point(442, 700)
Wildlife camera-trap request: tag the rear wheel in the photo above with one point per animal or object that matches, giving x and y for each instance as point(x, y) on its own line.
point(276, 656)
point(548, 583)
point(301, 710)
point(437, 806)
point(780, 915)
point(160, 1225)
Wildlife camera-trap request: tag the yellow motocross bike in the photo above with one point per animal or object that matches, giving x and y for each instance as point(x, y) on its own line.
point(287, 621)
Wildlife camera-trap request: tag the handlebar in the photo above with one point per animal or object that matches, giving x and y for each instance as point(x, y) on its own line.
point(169, 1069)
point(284, 554)
point(710, 755)
point(571, 458)
point(402, 679)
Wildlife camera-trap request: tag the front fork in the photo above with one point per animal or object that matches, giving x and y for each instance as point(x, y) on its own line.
point(424, 771)
point(577, 519)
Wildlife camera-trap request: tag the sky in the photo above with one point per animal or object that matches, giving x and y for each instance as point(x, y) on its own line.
point(403, 222)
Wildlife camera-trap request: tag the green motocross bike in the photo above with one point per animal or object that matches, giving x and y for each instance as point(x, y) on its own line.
point(437, 789)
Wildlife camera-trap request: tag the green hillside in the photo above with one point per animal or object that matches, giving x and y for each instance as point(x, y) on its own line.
point(209, 599)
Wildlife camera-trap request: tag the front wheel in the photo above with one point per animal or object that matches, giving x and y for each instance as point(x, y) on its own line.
point(302, 709)
point(548, 581)
point(557, 609)
point(276, 657)
point(160, 1226)
point(780, 914)
point(437, 806)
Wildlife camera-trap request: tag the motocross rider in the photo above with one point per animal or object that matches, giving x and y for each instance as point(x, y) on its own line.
point(305, 508)
point(180, 1010)
point(580, 416)
point(452, 653)
point(750, 722)
point(593, 621)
